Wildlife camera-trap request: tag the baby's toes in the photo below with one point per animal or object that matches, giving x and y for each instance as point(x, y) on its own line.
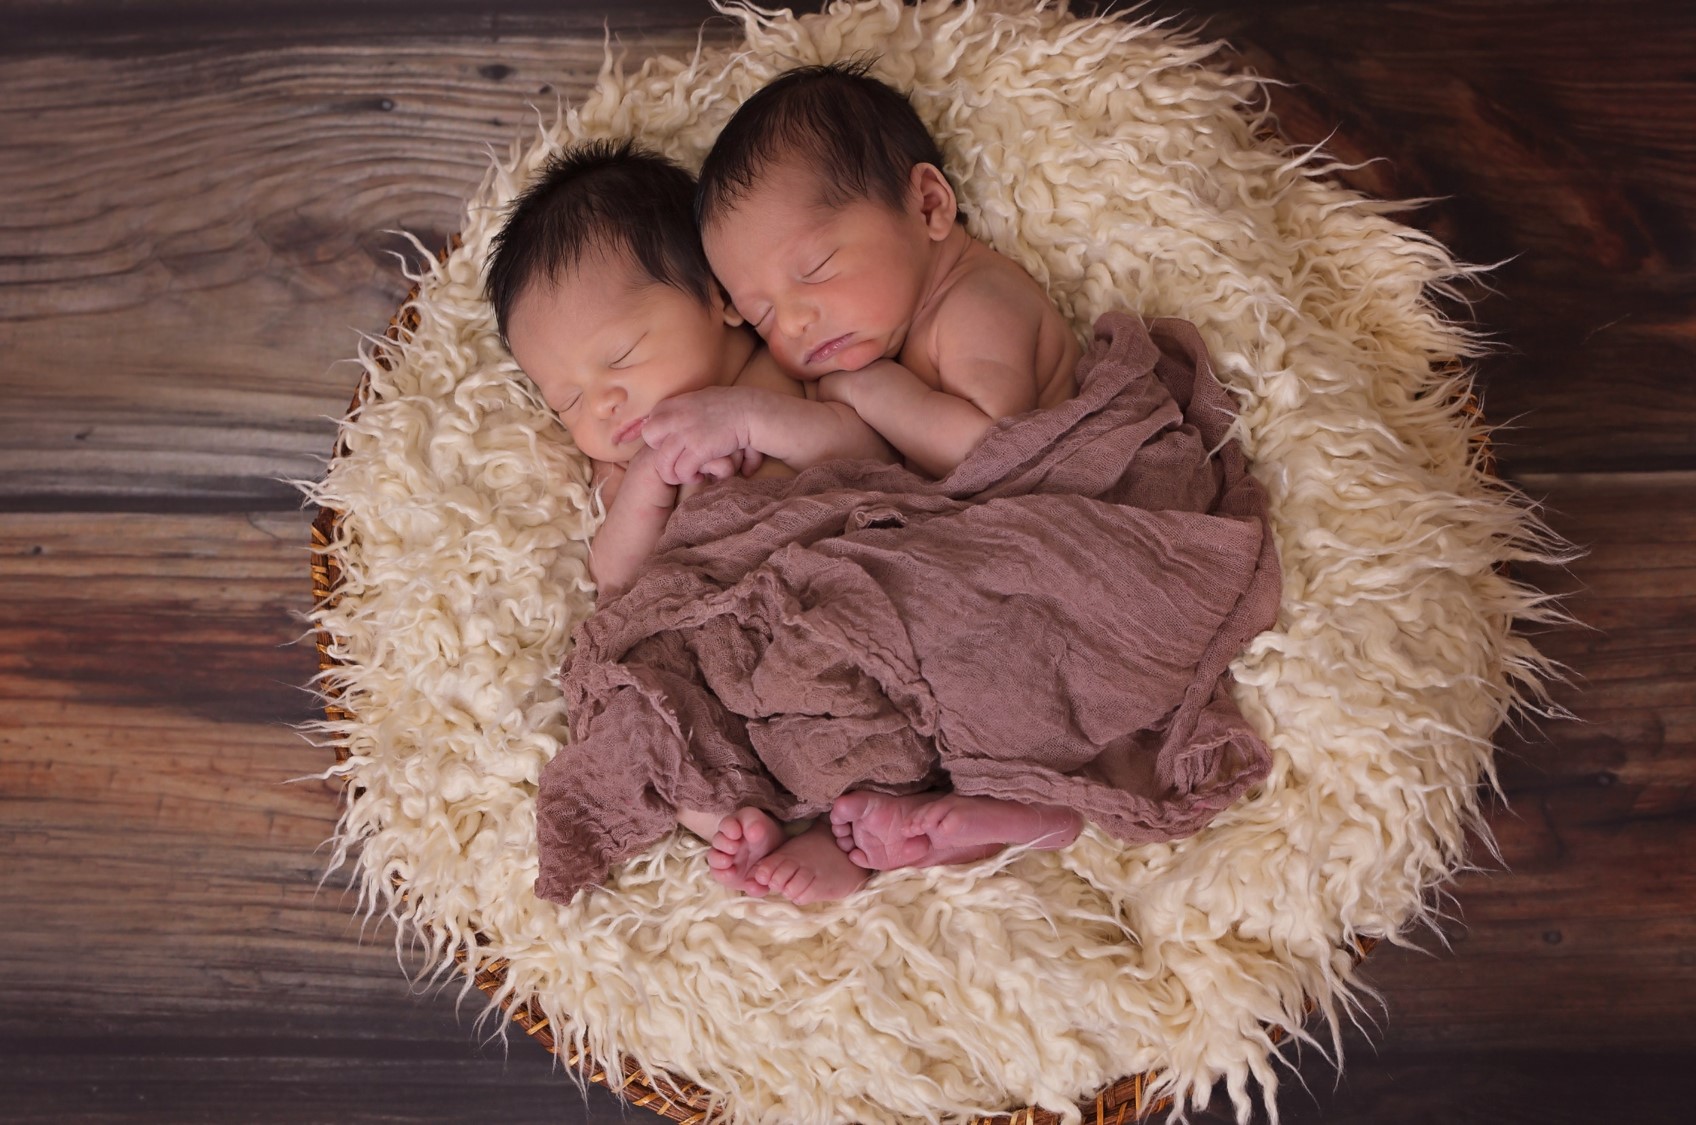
point(776, 875)
point(796, 889)
point(720, 860)
point(848, 808)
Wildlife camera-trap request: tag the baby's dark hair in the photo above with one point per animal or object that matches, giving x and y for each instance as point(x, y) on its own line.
point(596, 197)
point(834, 117)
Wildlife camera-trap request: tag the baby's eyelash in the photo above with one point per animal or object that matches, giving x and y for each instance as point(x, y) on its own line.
point(809, 274)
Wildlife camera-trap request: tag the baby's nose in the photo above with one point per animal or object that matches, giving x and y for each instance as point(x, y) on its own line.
point(606, 400)
point(795, 318)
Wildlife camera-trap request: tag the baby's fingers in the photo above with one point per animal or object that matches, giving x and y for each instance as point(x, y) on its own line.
point(668, 464)
point(719, 468)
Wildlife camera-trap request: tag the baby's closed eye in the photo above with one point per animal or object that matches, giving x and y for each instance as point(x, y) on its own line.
point(812, 274)
point(624, 359)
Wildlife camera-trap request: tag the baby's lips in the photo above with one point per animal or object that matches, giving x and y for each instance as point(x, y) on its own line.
point(629, 430)
point(827, 349)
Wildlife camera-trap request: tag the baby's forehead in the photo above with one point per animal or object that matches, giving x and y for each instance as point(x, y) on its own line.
point(594, 292)
point(794, 183)
point(607, 265)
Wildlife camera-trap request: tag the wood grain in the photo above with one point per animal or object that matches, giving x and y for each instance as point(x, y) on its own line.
point(127, 28)
point(180, 281)
point(1483, 1088)
point(199, 205)
point(1559, 142)
point(168, 864)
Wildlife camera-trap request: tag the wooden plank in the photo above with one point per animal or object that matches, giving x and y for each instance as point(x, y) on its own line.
point(1561, 142)
point(172, 1081)
point(168, 867)
point(197, 232)
point(1484, 1088)
point(166, 924)
point(112, 28)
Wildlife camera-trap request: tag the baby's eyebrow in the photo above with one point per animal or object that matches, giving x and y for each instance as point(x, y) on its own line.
point(808, 245)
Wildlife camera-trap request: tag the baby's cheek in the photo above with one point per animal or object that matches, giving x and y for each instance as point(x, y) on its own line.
point(791, 363)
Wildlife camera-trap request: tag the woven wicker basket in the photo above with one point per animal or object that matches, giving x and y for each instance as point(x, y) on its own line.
point(1121, 1101)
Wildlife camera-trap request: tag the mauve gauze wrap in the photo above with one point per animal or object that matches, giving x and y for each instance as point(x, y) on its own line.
point(1051, 623)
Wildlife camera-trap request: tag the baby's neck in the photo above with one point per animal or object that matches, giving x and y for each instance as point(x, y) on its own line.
point(738, 350)
point(945, 257)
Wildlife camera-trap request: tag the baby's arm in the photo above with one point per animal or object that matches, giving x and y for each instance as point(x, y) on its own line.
point(691, 430)
point(986, 356)
point(934, 430)
point(635, 520)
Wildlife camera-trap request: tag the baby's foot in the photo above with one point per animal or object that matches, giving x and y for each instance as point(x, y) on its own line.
point(743, 838)
point(871, 828)
point(927, 829)
point(965, 823)
point(810, 868)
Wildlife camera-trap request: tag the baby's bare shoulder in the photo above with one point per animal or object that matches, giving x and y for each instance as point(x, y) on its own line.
point(1000, 316)
point(991, 285)
point(991, 300)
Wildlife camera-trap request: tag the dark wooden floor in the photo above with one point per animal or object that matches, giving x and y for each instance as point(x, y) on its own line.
point(199, 207)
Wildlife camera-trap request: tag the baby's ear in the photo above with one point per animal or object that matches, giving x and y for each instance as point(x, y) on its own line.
point(726, 309)
point(933, 195)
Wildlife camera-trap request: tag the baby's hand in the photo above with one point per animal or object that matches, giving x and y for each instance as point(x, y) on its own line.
point(702, 434)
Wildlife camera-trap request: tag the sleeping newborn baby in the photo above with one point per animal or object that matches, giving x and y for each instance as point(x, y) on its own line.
point(827, 217)
point(602, 293)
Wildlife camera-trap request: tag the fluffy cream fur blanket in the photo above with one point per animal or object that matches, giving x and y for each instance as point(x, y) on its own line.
point(1122, 168)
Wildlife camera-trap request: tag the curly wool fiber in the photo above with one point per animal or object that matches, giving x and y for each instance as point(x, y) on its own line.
point(1123, 169)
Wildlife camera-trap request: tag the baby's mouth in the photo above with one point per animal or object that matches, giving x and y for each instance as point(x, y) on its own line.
point(629, 430)
point(827, 349)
